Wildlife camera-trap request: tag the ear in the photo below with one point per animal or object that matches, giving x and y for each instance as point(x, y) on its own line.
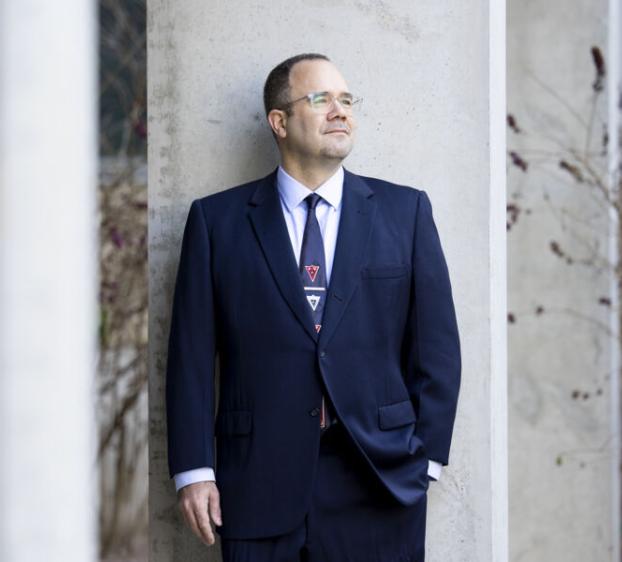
point(277, 118)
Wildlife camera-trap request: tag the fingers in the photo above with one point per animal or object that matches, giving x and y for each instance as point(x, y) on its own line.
point(196, 503)
point(214, 505)
point(203, 523)
point(200, 526)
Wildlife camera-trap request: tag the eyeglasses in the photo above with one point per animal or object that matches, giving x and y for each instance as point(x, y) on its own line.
point(321, 101)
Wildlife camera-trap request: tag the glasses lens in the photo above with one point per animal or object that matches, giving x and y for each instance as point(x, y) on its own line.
point(346, 100)
point(320, 100)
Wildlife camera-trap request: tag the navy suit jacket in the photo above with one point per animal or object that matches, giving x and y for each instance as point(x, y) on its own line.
point(388, 350)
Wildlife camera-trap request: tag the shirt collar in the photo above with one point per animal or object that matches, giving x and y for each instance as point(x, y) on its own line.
point(293, 192)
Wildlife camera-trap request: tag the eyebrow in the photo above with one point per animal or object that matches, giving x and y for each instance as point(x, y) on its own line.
point(330, 92)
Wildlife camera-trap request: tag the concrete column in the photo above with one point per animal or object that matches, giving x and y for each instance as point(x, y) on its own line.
point(564, 362)
point(614, 118)
point(432, 77)
point(48, 264)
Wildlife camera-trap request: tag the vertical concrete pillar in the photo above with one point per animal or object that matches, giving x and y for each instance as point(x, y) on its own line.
point(497, 397)
point(614, 118)
point(432, 77)
point(564, 360)
point(48, 264)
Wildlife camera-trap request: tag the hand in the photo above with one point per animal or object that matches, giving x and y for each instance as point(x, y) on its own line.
point(199, 503)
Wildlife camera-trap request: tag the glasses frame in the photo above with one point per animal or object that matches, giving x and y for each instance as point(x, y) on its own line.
point(333, 97)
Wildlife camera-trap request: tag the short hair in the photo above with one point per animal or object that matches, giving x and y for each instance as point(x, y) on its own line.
point(276, 88)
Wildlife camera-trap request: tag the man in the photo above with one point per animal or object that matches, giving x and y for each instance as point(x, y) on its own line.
point(327, 299)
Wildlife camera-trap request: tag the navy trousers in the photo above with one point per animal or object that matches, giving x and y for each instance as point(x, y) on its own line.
point(352, 517)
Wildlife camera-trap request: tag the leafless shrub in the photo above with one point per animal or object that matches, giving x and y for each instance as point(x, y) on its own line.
point(122, 367)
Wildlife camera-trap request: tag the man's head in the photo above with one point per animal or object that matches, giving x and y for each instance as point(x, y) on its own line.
point(311, 130)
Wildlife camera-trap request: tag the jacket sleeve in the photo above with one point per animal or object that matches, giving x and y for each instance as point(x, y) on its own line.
point(432, 344)
point(191, 353)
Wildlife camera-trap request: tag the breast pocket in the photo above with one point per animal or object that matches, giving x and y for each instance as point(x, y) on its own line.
point(385, 271)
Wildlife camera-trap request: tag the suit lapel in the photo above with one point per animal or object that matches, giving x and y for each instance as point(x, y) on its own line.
point(358, 210)
point(269, 224)
point(357, 215)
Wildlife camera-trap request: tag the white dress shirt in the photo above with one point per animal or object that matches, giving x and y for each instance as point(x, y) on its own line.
point(328, 212)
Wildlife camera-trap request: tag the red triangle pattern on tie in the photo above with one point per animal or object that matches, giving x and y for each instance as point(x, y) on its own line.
point(317, 327)
point(312, 271)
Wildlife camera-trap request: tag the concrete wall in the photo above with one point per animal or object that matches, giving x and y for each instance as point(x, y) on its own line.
point(562, 493)
point(432, 78)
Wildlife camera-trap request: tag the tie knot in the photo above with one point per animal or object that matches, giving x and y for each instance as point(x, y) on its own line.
point(312, 200)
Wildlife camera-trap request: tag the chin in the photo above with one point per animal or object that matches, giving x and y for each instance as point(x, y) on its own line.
point(337, 152)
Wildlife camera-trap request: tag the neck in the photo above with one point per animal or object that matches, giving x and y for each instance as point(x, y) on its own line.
point(310, 176)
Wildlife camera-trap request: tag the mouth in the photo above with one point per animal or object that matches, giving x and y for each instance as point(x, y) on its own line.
point(342, 131)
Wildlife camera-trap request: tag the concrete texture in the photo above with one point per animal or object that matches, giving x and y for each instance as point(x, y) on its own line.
point(560, 443)
point(431, 76)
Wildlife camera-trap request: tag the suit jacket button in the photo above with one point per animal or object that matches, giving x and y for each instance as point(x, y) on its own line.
point(322, 353)
point(314, 412)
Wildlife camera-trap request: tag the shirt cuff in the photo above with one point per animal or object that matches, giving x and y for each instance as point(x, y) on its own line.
point(204, 474)
point(434, 469)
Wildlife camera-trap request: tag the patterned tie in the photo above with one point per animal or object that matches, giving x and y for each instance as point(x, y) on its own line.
point(313, 273)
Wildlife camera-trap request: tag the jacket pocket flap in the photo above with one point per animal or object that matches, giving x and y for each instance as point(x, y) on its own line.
point(385, 271)
point(234, 422)
point(396, 415)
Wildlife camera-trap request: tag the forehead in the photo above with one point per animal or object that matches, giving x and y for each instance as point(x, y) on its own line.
point(316, 76)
